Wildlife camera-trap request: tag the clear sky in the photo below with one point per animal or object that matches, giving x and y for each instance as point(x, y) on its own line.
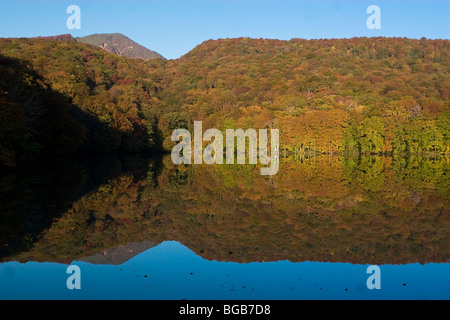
point(173, 27)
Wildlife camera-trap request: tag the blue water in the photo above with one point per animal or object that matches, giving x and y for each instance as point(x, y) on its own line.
point(174, 272)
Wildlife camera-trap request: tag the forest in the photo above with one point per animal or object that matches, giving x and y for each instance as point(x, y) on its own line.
point(327, 96)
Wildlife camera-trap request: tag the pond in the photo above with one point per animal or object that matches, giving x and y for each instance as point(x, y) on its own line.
point(143, 228)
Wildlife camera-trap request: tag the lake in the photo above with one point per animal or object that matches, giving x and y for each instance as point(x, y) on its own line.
point(143, 228)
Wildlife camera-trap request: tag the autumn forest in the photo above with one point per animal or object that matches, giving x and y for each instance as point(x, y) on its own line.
point(381, 96)
point(364, 128)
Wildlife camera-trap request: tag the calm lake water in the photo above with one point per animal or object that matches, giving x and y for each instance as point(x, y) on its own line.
point(146, 229)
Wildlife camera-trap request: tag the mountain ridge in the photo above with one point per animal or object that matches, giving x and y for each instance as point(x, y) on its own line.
point(116, 43)
point(357, 95)
point(119, 44)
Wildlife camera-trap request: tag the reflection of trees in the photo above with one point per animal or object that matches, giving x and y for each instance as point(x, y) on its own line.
point(36, 196)
point(369, 173)
point(366, 210)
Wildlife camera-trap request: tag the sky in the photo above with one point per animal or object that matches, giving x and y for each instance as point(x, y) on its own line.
point(174, 27)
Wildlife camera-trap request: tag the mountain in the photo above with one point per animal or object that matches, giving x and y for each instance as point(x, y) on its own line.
point(66, 97)
point(360, 95)
point(363, 95)
point(119, 44)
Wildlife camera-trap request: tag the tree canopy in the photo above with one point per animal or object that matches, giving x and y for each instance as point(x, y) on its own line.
point(360, 95)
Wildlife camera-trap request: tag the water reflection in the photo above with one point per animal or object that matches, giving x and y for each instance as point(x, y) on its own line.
point(172, 271)
point(370, 210)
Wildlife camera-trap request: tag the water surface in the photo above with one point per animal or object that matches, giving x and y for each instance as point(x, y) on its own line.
point(146, 229)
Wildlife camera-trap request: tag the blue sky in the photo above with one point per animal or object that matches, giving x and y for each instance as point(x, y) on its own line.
point(173, 27)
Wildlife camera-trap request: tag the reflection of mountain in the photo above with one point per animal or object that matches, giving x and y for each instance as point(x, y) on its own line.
point(36, 196)
point(119, 255)
point(370, 210)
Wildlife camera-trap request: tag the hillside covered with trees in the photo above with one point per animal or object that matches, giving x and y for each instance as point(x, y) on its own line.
point(359, 95)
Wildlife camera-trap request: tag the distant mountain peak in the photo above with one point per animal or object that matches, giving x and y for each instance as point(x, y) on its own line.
point(119, 44)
